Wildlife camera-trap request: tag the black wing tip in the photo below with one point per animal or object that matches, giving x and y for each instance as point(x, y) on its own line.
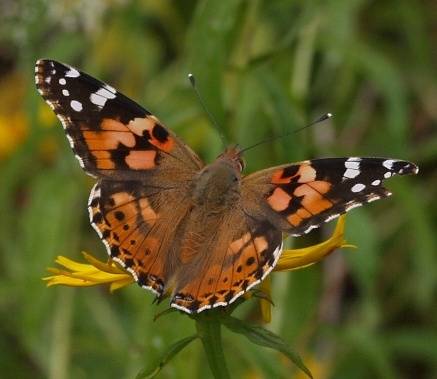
point(402, 167)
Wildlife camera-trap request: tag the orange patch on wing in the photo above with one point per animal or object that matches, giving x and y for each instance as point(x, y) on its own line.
point(294, 219)
point(305, 173)
point(113, 125)
point(243, 267)
point(122, 198)
point(278, 179)
point(107, 140)
point(303, 213)
point(279, 199)
point(237, 245)
point(261, 243)
point(312, 200)
point(103, 160)
point(317, 206)
point(321, 186)
point(147, 212)
point(121, 214)
point(141, 159)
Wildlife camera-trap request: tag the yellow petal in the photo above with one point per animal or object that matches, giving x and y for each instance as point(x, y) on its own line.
point(103, 266)
point(299, 258)
point(83, 275)
point(70, 264)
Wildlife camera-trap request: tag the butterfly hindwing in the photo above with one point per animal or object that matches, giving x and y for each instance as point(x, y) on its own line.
point(111, 135)
point(138, 225)
point(302, 196)
point(237, 260)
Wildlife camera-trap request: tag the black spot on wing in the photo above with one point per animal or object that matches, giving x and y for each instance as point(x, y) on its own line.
point(290, 171)
point(160, 133)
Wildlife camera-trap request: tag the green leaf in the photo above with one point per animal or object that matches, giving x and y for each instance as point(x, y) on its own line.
point(149, 373)
point(266, 338)
point(164, 313)
point(209, 46)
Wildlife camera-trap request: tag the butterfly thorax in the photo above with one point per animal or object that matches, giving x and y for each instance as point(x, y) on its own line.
point(217, 186)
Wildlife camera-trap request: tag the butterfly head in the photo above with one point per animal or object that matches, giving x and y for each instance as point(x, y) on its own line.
point(233, 155)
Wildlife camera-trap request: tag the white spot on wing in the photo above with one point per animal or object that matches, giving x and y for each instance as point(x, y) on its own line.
point(65, 92)
point(353, 163)
point(101, 96)
point(388, 163)
point(332, 217)
point(376, 182)
point(62, 81)
point(351, 173)
point(387, 175)
point(352, 206)
point(311, 227)
point(104, 92)
point(98, 100)
point(70, 140)
point(109, 88)
point(180, 307)
point(72, 73)
point(373, 198)
point(358, 187)
point(76, 105)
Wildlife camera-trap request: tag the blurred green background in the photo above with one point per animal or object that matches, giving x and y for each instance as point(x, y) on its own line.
point(264, 68)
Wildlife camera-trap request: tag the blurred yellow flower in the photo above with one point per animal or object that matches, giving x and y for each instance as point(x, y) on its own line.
point(13, 121)
point(13, 130)
point(320, 367)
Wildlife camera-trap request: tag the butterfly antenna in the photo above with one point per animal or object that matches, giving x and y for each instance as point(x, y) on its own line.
point(192, 80)
point(320, 119)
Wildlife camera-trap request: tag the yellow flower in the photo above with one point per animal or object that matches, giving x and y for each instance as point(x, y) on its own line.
point(85, 275)
point(300, 258)
point(295, 259)
point(96, 272)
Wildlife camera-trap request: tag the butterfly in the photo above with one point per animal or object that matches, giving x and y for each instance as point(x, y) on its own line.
point(202, 233)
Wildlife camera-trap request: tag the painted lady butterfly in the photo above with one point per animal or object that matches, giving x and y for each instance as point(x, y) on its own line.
point(203, 233)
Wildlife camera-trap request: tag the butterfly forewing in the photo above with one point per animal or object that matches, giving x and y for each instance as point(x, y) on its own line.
point(300, 197)
point(111, 135)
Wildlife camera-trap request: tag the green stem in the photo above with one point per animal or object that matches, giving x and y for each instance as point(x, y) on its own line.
point(209, 330)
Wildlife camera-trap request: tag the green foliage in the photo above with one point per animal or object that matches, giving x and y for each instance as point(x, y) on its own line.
point(263, 337)
point(264, 68)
